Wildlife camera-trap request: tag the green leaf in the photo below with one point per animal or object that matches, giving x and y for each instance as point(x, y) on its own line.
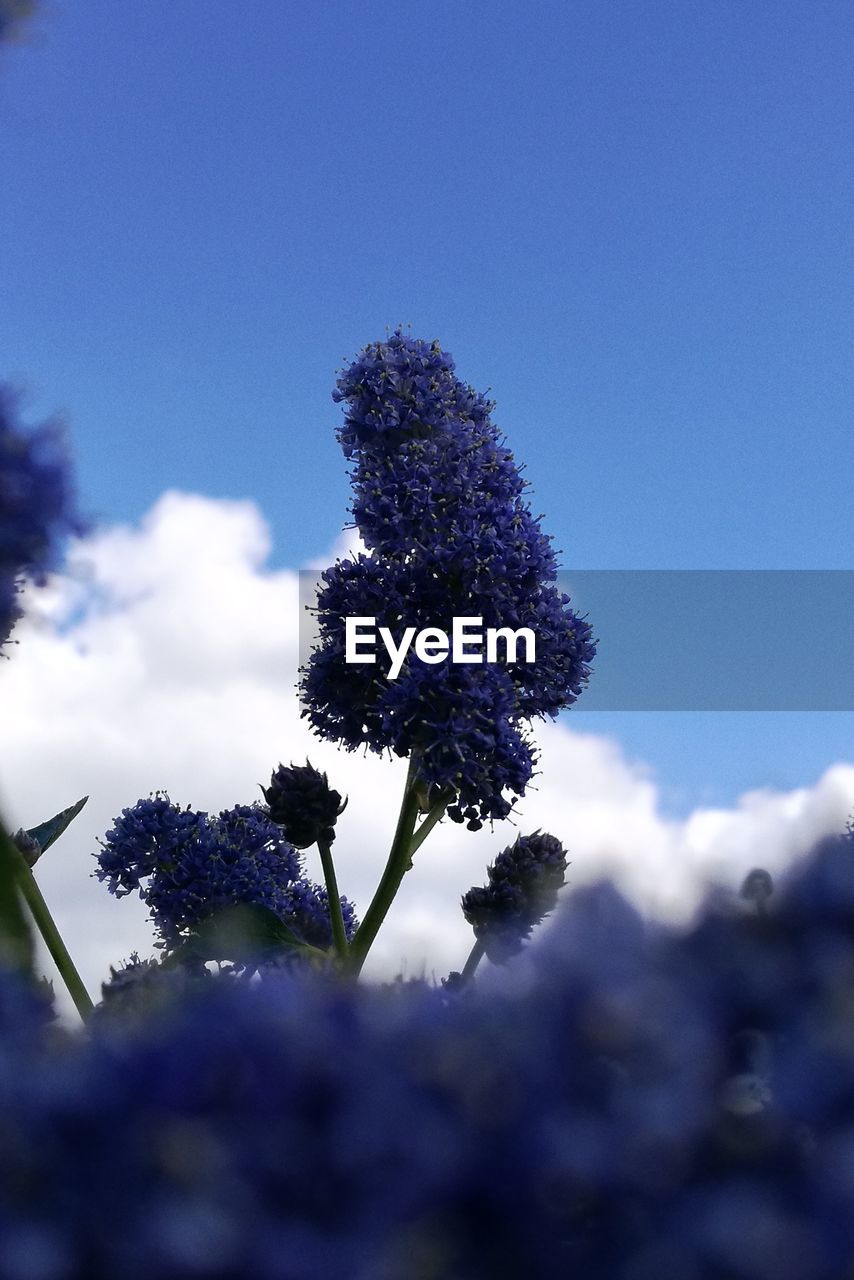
point(245, 933)
point(16, 944)
point(47, 832)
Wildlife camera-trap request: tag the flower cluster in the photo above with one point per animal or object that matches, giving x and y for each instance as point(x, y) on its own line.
point(36, 505)
point(303, 804)
point(639, 1104)
point(440, 503)
point(523, 886)
point(186, 865)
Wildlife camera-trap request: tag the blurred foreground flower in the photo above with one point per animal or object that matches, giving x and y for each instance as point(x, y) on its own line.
point(635, 1104)
point(36, 505)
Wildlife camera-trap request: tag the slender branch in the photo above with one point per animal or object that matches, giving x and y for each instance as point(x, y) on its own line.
point(475, 956)
point(435, 815)
point(335, 914)
point(44, 921)
point(16, 943)
point(399, 861)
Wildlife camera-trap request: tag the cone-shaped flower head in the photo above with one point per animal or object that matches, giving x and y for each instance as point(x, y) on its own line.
point(439, 502)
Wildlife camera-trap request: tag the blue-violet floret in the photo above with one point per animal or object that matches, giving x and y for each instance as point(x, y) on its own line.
point(440, 504)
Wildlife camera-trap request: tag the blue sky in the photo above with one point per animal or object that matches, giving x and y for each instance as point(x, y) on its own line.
point(631, 221)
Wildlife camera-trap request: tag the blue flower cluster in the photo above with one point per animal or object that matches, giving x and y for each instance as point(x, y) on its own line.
point(440, 503)
point(523, 886)
point(637, 1105)
point(36, 505)
point(185, 865)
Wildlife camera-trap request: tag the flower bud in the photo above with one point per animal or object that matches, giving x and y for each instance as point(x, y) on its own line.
point(523, 885)
point(301, 801)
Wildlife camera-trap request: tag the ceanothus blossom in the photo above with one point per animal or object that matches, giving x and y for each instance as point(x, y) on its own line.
point(440, 503)
point(185, 865)
point(630, 1103)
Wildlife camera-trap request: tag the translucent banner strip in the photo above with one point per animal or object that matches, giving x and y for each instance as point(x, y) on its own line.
point(703, 640)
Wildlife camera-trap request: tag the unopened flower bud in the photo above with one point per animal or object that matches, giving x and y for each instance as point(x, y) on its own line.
point(301, 801)
point(523, 885)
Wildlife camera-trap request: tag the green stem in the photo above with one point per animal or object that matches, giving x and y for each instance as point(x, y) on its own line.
point(399, 862)
point(435, 815)
point(475, 956)
point(338, 933)
point(16, 943)
point(32, 895)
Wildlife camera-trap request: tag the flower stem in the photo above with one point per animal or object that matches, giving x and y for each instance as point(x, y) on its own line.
point(338, 932)
point(435, 815)
point(16, 944)
point(32, 895)
point(475, 956)
point(399, 862)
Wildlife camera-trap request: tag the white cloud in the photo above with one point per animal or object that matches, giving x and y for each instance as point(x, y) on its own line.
point(166, 658)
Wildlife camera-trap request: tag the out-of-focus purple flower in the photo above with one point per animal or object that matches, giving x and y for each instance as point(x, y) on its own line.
point(641, 1103)
point(636, 1104)
point(303, 804)
point(139, 990)
point(186, 865)
point(522, 889)
point(36, 505)
point(440, 502)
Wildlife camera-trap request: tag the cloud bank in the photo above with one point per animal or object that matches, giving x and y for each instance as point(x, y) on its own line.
point(166, 657)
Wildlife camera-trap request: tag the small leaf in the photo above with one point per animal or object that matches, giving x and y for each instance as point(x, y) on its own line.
point(47, 832)
point(243, 932)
